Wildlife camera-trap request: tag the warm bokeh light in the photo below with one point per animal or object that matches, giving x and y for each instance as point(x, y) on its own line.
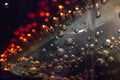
point(55, 18)
point(33, 30)
point(62, 14)
point(47, 14)
point(29, 35)
point(24, 40)
point(60, 6)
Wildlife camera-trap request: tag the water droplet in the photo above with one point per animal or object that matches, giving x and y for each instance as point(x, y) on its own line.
point(6, 5)
point(107, 43)
point(69, 41)
point(60, 52)
point(103, 1)
point(101, 32)
point(97, 6)
point(76, 30)
point(24, 62)
point(118, 30)
point(97, 34)
point(98, 14)
point(65, 57)
point(36, 63)
point(96, 41)
point(33, 70)
point(60, 34)
point(110, 59)
point(100, 61)
point(91, 45)
point(58, 68)
point(105, 53)
point(89, 38)
point(64, 28)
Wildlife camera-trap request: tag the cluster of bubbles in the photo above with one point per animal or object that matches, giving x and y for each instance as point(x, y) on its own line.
point(64, 63)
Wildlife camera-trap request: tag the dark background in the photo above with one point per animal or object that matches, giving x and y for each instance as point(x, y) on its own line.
point(11, 17)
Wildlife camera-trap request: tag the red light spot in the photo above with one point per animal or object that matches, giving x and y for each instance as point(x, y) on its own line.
point(46, 8)
point(22, 34)
point(31, 15)
point(21, 29)
point(42, 4)
point(16, 33)
point(13, 40)
point(42, 13)
point(34, 24)
point(54, 0)
point(29, 26)
point(27, 29)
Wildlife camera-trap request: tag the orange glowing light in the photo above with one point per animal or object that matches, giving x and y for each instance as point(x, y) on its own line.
point(18, 47)
point(55, 18)
point(2, 55)
point(60, 6)
point(6, 69)
point(24, 40)
point(47, 14)
point(33, 30)
point(20, 37)
point(2, 60)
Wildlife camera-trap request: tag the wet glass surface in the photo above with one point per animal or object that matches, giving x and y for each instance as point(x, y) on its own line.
point(76, 44)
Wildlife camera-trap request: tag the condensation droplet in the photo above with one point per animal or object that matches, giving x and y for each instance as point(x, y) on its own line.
point(6, 4)
point(103, 1)
point(60, 52)
point(60, 34)
point(69, 41)
point(98, 14)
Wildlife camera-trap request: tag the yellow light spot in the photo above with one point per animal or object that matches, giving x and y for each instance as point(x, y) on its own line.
point(55, 18)
point(62, 14)
point(60, 6)
point(29, 35)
